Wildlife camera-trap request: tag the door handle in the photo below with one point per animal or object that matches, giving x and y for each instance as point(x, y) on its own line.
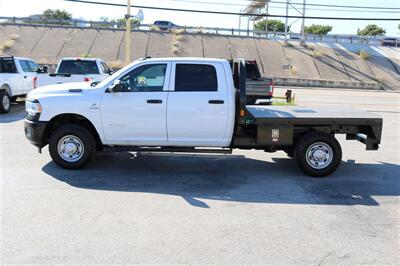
point(154, 101)
point(216, 101)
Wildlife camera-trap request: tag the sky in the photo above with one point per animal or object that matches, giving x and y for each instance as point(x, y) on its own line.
point(21, 8)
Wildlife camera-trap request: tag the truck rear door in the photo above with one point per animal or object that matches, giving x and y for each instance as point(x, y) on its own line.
point(197, 111)
point(10, 75)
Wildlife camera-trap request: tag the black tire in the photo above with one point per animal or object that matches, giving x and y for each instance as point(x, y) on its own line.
point(77, 132)
point(322, 142)
point(4, 108)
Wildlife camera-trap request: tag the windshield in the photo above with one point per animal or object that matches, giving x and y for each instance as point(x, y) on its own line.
point(116, 74)
point(78, 67)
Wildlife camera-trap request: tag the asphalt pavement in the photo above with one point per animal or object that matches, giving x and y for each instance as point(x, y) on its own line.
point(247, 208)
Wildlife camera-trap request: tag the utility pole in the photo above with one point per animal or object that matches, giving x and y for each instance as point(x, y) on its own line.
point(266, 20)
point(286, 21)
point(303, 34)
point(128, 34)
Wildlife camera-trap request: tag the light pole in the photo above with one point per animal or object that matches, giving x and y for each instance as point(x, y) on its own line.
point(128, 34)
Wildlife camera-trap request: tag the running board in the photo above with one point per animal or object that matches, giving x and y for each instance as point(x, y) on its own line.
point(168, 149)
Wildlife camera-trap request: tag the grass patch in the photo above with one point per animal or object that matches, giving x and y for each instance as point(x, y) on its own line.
point(177, 31)
point(178, 38)
point(176, 50)
point(364, 55)
point(316, 53)
point(287, 44)
point(283, 103)
point(7, 45)
point(154, 28)
point(14, 36)
point(86, 56)
point(293, 71)
point(309, 47)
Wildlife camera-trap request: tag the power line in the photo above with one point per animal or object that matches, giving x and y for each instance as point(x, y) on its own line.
point(360, 7)
point(281, 7)
point(232, 13)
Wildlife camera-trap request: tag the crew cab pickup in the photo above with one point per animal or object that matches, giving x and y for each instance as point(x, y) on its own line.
point(185, 105)
point(77, 70)
point(18, 76)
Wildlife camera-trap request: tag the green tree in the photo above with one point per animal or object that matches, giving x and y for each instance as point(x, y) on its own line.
point(318, 29)
point(117, 23)
point(371, 30)
point(274, 25)
point(56, 14)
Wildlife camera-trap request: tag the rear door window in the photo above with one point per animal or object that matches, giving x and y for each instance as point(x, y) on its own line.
point(7, 65)
point(78, 67)
point(195, 77)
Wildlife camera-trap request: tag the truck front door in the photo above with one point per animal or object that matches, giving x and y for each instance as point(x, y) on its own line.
point(197, 110)
point(136, 112)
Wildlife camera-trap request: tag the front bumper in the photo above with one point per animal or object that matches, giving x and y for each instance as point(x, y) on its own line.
point(34, 132)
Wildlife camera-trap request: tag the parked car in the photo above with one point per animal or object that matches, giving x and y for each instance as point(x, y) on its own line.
point(71, 69)
point(257, 87)
point(185, 105)
point(390, 42)
point(18, 76)
point(164, 25)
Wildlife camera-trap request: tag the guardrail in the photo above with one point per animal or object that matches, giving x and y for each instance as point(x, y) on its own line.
point(78, 23)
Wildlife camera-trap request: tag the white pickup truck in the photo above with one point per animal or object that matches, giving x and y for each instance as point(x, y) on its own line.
point(18, 76)
point(185, 105)
point(70, 69)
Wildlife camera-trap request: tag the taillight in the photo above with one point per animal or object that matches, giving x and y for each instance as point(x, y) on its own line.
point(34, 82)
point(87, 79)
point(272, 86)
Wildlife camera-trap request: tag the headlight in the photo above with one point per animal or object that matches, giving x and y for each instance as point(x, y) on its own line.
point(33, 107)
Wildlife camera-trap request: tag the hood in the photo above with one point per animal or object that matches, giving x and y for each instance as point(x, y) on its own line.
point(59, 89)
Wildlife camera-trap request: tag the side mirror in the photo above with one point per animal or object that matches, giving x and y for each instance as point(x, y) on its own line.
point(43, 70)
point(115, 87)
point(110, 72)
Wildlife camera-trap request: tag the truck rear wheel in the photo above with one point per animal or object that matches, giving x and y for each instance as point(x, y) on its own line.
point(71, 146)
point(5, 102)
point(318, 154)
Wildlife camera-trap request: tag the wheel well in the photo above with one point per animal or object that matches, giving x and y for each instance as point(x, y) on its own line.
point(63, 119)
point(6, 88)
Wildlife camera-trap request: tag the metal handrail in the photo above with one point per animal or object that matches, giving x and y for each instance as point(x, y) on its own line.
point(79, 23)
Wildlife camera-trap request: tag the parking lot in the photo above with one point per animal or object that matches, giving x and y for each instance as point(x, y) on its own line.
point(247, 208)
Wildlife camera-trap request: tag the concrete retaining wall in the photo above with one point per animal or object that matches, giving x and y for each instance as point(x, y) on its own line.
point(317, 61)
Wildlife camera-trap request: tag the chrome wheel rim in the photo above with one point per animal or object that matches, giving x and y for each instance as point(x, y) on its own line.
point(70, 148)
point(319, 155)
point(6, 102)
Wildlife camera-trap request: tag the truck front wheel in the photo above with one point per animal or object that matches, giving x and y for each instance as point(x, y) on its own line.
point(5, 102)
point(71, 146)
point(318, 154)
